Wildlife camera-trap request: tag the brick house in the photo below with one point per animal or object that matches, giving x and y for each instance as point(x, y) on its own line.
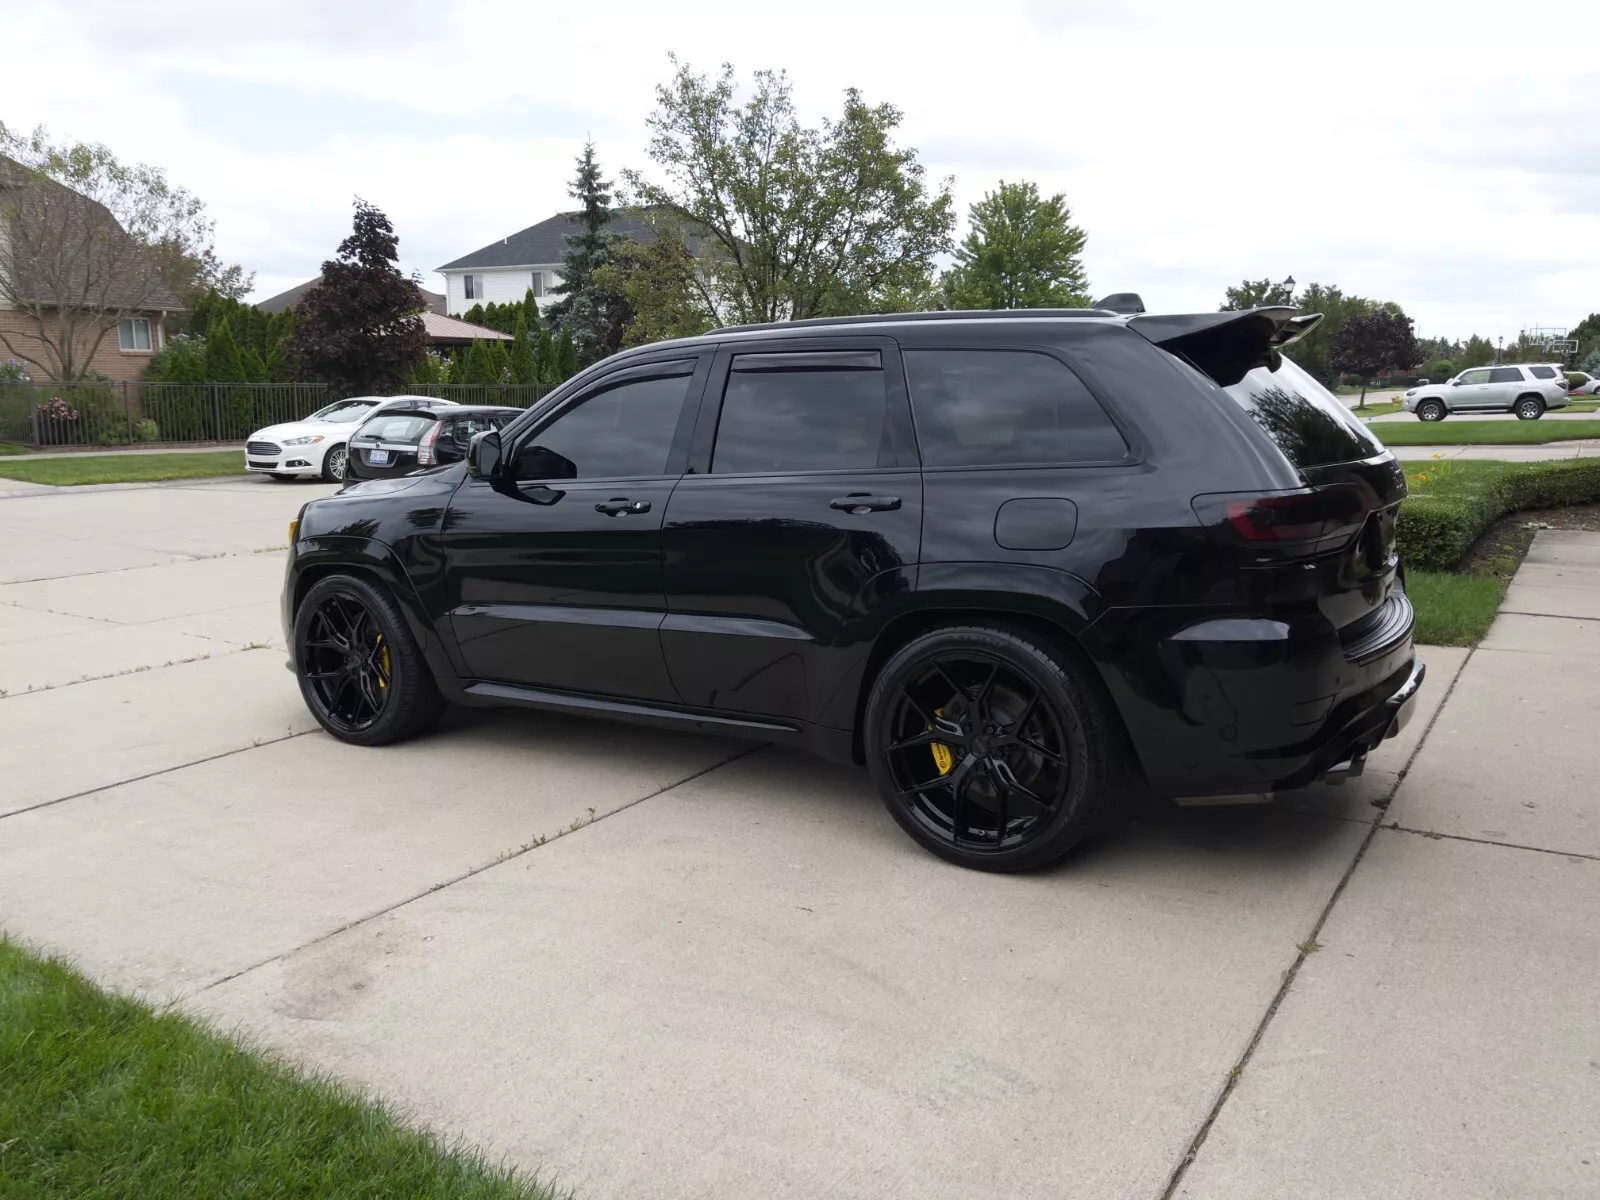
point(67, 265)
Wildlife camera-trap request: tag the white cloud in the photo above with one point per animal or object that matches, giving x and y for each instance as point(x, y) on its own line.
point(1397, 150)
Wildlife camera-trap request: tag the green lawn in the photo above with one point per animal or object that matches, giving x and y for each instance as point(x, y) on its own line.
point(1376, 410)
point(103, 1098)
point(1453, 610)
point(12, 448)
point(1456, 432)
point(70, 469)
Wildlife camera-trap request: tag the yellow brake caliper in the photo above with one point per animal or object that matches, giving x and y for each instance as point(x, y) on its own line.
point(383, 657)
point(942, 756)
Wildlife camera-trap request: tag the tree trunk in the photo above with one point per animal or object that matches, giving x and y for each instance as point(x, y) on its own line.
point(1363, 402)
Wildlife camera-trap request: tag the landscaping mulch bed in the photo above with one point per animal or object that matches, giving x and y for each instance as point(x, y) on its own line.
point(1500, 550)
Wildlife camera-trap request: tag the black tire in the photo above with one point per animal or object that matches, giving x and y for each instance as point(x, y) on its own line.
point(1001, 765)
point(334, 463)
point(1529, 408)
point(342, 670)
point(1431, 410)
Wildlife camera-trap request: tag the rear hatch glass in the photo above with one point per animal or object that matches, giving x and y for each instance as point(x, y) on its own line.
point(397, 430)
point(1311, 425)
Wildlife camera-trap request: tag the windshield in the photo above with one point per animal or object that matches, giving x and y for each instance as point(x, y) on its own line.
point(342, 412)
point(1311, 425)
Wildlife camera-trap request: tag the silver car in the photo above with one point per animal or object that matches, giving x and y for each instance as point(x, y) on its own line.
point(1527, 389)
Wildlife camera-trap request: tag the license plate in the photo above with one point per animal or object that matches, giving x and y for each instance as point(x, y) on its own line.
point(378, 458)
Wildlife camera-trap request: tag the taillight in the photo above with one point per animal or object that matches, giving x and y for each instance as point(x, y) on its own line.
point(1305, 521)
point(425, 455)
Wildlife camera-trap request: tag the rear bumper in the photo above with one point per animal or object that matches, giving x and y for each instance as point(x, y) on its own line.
point(1247, 705)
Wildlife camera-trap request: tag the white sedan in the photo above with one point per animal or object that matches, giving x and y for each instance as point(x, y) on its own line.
point(1589, 387)
point(318, 445)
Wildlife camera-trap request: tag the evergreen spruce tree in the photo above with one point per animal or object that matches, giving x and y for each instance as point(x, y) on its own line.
point(223, 361)
point(580, 311)
point(566, 356)
point(523, 368)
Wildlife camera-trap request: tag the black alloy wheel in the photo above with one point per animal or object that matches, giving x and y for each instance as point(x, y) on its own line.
point(987, 750)
point(1430, 410)
point(360, 670)
point(1529, 409)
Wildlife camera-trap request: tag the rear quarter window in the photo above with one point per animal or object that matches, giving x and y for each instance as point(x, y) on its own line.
point(1311, 425)
point(1005, 407)
point(1542, 372)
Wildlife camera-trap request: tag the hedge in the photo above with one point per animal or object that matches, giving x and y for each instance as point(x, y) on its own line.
point(1453, 504)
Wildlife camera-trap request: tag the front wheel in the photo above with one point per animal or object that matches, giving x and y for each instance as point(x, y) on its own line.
point(334, 463)
point(1430, 410)
point(361, 672)
point(1530, 409)
point(988, 749)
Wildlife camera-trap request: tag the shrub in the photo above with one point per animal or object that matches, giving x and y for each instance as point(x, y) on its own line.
point(1574, 378)
point(146, 430)
point(1450, 511)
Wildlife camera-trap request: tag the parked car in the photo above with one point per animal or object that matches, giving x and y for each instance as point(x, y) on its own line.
point(1527, 389)
point(319, 444)
point(1589, 385)
point(1018, 564)
point(402, 438)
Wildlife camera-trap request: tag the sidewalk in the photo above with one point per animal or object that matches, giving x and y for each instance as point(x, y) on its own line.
point(1546, 453)
point(1442, 1039)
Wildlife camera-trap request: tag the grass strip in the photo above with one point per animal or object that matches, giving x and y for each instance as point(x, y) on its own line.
point(70, 470)
point(1452, 609)
point(105, 1098)
point(1456, 432)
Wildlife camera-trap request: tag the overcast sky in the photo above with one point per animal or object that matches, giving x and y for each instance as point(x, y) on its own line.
point(1446, 156)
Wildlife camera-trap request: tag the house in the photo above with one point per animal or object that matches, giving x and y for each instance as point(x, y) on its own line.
point(77, 294)
point(504, 271)
point(287, 300)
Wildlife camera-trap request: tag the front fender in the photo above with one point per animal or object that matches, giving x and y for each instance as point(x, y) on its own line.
point(319, 555)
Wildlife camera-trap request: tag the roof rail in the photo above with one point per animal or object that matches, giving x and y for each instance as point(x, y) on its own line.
point(955, 314)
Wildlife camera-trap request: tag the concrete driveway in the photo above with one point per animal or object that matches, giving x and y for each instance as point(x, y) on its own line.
point(671, 966)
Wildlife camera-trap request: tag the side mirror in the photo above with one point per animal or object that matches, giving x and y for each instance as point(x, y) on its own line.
point(1455, 383)
point(483, 455)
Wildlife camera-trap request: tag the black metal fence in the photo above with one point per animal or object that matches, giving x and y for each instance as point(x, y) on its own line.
point(101, 413)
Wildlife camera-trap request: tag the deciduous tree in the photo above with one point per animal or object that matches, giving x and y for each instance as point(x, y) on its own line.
point(360, 329)
point(1372, 342)
point(1478, 352)
point(1258, 293)
point(87, 241)
point(1022, 251)
point(790, 221)
point(662, 287)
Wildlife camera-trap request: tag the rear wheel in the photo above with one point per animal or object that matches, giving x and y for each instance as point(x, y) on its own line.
point(334, 463)
point(361, 672)
point(1530, 408)
point(988, 749)
point(1431, 410)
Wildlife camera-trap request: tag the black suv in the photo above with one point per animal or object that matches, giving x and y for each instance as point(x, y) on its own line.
point(1018, 564)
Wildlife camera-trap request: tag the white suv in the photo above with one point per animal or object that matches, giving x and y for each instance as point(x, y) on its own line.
point(1526, 389)
point(319, 445)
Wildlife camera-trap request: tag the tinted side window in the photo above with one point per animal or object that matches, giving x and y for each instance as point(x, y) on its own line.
point(1479, 376)
point(407, 430)
point(1542, 372)
point(801, 412)
point(979, 407)
point(1505, 375)
point(624, 432)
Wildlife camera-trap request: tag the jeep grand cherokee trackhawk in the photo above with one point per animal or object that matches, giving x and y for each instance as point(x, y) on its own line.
point(1016, 563)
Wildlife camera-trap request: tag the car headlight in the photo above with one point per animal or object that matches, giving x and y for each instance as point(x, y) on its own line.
point(1412, 392)
point(303, 441)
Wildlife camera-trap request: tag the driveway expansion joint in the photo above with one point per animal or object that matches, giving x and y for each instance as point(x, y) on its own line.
point(1396, 827)
point(1310, 945)
point(498, 860)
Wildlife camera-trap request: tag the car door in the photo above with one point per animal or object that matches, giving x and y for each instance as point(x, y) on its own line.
point(554, 571)
point(1473, 391)
point(801, 519)
point(1505, 385)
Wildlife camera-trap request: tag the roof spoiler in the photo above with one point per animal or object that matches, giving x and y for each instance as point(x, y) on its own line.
point(1225, 345)
point(1122, 302)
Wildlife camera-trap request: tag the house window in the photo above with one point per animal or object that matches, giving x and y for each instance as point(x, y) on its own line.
point(473, 286)
point(538, 283)
point(133, 334)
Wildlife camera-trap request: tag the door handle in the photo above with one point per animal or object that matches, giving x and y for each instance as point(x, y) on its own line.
point(622, 505)
point(860, 503)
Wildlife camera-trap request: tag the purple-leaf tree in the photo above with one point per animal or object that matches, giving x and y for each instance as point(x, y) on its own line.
point(1373, 342)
